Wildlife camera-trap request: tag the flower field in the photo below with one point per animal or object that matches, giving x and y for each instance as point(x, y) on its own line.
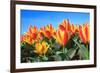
point(67, 42)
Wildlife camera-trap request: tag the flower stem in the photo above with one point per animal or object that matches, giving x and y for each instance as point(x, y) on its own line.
point(87, 46)
point(63, 49)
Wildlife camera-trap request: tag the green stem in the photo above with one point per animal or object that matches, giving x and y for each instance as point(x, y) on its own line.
point(51, 42)
point(38, 58)
point(63, 50)
point(86, 45)
point(66, 56)
point(51, 46)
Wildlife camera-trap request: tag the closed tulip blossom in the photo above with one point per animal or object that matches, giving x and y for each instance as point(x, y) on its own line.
point(62, 35)
point(41, 48)
point(66, 24)
point(84, 33)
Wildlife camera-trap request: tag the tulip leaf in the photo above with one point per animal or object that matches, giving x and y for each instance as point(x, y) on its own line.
point(55, 58)
point(44, 58)
point(32, 59)
point(69, 44)
point(71, 52)
point(64, 56)
point(83, 51)
point(65, 50)
point(58, 52)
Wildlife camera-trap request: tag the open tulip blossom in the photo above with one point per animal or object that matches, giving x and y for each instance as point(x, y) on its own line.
point(66, 42)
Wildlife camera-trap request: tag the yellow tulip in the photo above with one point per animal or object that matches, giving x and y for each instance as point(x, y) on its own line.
point(41, 48)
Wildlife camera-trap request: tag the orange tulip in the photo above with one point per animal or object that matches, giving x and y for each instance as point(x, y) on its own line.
point(32, 32)
point(41, 32)
point(40, 35)
point(70, 28)
point(61, 35)
point(74, 28)
point(25, 38)
point(30, 36)
point(22, 38)
point(84, 33)
point(48, 31)
point(66, 25)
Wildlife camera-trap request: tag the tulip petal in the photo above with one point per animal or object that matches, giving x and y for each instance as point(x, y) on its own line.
point(87, 32)
point(82, 34)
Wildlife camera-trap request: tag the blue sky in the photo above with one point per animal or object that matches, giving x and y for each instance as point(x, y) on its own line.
point(43, 18)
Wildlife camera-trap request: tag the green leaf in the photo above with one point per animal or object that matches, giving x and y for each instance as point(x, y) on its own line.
point(71, 52)
point(44, 58)
point(32, 59)
point(58, 52)
point(83, 51)
point(54, 58)
point(64, 56)
point(71, 43)
point(57, 57)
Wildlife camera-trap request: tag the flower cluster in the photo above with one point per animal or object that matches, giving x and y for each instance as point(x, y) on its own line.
point(47, 38)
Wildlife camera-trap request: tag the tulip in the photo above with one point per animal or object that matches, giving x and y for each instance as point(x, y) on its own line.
point(32, 32)
point(74, 28)
point(61, 35)
point(30, 36)
point(66, 25)
point(27, 39)
point(48, 31)
point(40, 35)
point(41, 48)
point(84, 33)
